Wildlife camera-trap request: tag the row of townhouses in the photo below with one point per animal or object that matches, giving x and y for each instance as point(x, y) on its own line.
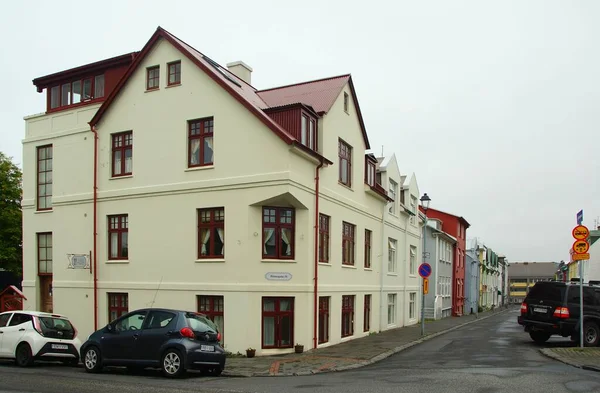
point(488, 276)
point(160, 178)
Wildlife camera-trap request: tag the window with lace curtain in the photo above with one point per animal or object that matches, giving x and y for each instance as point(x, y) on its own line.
point(278, 225)
point(211, 233)
point(122, 154)
point(200, 142)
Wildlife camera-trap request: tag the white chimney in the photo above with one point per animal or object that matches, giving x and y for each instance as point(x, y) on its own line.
point(241, 70)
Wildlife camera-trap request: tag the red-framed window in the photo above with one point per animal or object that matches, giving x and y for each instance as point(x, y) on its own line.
point(347, 315)
point(308, 132)
point(152, 78)
point(277, 322)
point(370, 176)
point(346, 102)
point(348, 241)
point(323, 319)
point(323, 238)
point(200, 142)
point(213, 307)
point(44, 177)
point(278, 226)
point(118, 237)
point(122, 154)
point(75, 92)
point(345, 161)
point(174, 73)
point(367, 314)
point(368, 240)
point(44, 253)
point(118, 305)
point(211, 233)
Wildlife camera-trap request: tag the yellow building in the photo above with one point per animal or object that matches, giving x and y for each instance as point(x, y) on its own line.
point(523, 275)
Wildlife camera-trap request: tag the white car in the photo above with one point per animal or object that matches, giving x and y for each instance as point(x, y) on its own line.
point(27, 336)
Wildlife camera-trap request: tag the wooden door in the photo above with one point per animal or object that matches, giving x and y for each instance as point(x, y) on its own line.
point(46, 294)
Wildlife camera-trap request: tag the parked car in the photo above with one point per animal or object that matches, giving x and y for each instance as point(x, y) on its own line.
point(552, 308)
point(27, 336)
point(173, 340)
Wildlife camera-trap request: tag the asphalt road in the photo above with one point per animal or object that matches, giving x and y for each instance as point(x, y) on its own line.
point(493, 355)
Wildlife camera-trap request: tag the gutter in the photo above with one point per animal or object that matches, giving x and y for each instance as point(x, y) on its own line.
point(95, 226)
point(316, 261)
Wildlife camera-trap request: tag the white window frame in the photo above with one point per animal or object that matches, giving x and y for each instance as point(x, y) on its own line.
point(413, 259)
point(392, 304)
point(393, 193)
point(412, 305)
point(392, 255)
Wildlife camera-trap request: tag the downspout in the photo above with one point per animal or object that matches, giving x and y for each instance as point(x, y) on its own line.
point(316, 278)
point(95, 202)
point(381, 276)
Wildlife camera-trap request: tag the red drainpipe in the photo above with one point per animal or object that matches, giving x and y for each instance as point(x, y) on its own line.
point(316, 304)
point(95, 258)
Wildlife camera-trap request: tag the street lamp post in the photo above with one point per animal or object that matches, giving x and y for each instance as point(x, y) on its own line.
point(425, 200)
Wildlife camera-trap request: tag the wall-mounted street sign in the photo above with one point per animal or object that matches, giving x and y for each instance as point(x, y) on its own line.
point(78, 261)
point(581, 257)
point(425, 286)
point(580, 232)
point(425, 270)
point(278, 276)
point(581, 246)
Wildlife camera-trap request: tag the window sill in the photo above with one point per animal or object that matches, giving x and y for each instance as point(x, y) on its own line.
point(368, 269)
point(199, 168)
point(120, 177)
point(151, 90)
point(324, 264)
point(393, 274)
point(345, 186)
point(412, 275)
point(346, 338)
point(173, 85)
point(43, 211)
point(349, 266)
point(117, 261)
point(210, 260)
point(278, 261)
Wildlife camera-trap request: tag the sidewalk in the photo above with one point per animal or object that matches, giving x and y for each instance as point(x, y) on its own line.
point(586, 358)
point(350, 354)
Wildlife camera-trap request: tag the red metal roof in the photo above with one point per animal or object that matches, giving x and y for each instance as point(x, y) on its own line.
point(320, 94)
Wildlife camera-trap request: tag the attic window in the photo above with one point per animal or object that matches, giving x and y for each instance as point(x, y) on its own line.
point(370, 173)
point(308, 132)
point(346, 102)
point(76, 91)
point(152, 77)
point(174, 77)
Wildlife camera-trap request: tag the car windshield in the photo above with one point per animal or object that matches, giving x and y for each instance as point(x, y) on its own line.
point(200, 323)
point(547, 291)
point(56, 327)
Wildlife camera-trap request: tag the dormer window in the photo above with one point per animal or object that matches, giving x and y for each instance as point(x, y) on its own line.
point(76, 91)
point(370, 177)
point(308, 132)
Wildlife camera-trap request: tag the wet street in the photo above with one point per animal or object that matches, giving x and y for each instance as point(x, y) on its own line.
point(493, 355)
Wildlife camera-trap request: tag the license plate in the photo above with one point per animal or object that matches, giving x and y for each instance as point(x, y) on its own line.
point(59, 346)
point(540, 310)
point(207, 348)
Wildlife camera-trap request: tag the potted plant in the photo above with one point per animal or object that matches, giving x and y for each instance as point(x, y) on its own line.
point(299, 348)
point(250, 352)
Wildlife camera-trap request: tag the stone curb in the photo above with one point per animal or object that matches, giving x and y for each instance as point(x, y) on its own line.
point(373, 360)
point(549, 353)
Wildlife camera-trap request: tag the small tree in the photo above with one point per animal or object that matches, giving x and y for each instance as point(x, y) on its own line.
point(11, 230)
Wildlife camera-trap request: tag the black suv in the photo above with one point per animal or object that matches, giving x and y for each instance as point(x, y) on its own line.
point(173, 340)
point(552, 308)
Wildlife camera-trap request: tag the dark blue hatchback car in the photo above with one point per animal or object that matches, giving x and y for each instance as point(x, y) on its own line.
point(173, 340)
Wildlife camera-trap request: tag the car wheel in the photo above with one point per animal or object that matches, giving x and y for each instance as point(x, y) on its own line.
point(92, 361)
point(172, 363)
point(591, 334)
point(539, 337)
point(23, 356)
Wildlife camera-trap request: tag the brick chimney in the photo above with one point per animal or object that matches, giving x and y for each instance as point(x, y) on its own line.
point(241, 70)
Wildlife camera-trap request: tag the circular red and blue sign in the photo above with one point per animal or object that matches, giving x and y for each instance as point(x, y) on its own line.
point(425, 270)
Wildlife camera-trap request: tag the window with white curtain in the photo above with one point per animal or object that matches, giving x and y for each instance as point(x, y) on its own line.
point(392, 246)
point(392, 308)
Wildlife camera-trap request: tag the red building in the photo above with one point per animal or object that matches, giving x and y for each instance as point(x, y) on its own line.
point(455, 226)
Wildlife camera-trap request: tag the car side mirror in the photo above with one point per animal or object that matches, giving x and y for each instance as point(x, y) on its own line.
point(109, 328)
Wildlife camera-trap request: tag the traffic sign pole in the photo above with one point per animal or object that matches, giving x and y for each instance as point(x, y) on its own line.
point(424, 272)
point(580, 249)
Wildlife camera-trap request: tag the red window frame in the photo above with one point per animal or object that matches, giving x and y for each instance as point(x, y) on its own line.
point(212, 219)
point(308, 131)
point(122, 143)
point(174, 69)
point(367, 313)
point(345, 160)
point(47, 251)
point(96, 92)
point(200, 130)
point(153, 78)
point(368, 240)
point(370, 173)
point(117, 303)
point(272, 219)
point(44, 172)
point(278, 315)
point(211, 306)
point(323, 238)
point(323, 319)
point(348, 243)
point(347, 315)
point(119, 224)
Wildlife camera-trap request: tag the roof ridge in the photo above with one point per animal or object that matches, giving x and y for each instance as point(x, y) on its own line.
point(303, 83)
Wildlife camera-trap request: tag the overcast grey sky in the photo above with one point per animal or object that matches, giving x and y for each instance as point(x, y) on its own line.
point(494, 104)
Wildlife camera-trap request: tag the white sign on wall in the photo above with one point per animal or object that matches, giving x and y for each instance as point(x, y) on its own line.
point(78, 261)
point(278, 276)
